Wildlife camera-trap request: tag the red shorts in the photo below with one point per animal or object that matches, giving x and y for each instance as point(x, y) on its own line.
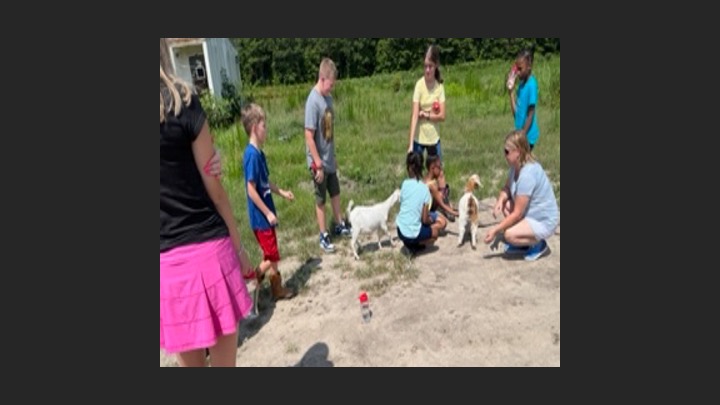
point(268, 243)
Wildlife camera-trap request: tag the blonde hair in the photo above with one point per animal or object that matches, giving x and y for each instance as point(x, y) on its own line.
point(251, 115)
point(519, 141)
point(327, 69)
point(174, 92)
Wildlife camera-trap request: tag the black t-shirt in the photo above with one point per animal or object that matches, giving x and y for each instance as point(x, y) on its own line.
point(187, 214)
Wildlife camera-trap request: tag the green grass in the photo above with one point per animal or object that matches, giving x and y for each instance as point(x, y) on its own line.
point(371, 127)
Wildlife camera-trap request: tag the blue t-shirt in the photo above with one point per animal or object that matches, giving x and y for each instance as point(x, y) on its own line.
point(527, 96)
point(256, 170)
point(413, 194)
point(533, 182)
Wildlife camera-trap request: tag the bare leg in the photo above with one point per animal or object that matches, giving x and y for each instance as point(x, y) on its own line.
point(271, 268)
point(192, 358)
point(335, 202)
point(264, 266)
point(441, 221)
point(320, 214)
point(224, 353)
point(521, 234)
point(435, 228)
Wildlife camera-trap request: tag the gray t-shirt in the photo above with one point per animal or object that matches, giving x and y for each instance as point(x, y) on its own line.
point(320, 118)
point(534, 183)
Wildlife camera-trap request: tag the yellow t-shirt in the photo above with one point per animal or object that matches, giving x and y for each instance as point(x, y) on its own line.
point(427, 130)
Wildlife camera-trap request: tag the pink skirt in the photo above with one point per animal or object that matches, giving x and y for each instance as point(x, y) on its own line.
point(202, 295)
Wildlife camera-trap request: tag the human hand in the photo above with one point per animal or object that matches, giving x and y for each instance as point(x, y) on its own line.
point(319, 175)
point(272, 219)
point(512, 75)
point(497, 209)
point(214, 165)
point(287, 194)
point(256, 276)
point(493, 236)
point(253, 275)
point(490, 235)
point(246, 268)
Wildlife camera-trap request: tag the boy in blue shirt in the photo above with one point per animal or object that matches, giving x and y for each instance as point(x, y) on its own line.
point(261, 208)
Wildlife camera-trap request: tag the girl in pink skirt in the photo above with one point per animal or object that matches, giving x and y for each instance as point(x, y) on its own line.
point(202, 262)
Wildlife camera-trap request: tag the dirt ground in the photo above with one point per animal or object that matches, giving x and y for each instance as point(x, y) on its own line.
point(465, 308)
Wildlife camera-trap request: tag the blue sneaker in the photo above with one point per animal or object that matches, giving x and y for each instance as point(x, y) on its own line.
point(536, 251)
point(325, 243)
point(342, 229)
point(515, 250)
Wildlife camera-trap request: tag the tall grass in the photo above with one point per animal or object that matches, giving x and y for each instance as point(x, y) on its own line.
point(372, 126)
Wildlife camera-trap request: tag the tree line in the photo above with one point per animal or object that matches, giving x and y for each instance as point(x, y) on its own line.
point(280, 61)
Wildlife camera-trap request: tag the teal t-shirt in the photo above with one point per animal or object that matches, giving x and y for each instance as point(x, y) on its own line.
point(413, 194)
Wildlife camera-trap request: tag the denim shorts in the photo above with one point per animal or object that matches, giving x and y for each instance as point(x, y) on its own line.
point(431, 149)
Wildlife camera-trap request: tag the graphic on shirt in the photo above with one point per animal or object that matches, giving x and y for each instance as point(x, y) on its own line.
point(328, 124)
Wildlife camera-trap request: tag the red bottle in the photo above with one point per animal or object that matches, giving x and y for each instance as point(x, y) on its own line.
point(365, 307)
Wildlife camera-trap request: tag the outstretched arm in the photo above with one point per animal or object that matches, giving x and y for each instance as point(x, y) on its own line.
point(438, 198)
point(286, 194)
point(521, 202)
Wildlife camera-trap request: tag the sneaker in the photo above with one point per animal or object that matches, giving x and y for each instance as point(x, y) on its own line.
point(325, 243)
point(536, 251)
point(515, 250)
point(342, 229)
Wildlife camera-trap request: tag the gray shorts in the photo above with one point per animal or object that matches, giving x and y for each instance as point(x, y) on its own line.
point(329, 184)
point(541, 230)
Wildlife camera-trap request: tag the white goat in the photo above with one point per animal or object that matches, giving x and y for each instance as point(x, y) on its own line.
point(367, 219)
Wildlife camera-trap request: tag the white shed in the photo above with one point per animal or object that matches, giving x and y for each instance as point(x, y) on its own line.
point(201, 60)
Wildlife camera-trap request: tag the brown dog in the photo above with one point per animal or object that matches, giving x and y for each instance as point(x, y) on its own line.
point(468, 210)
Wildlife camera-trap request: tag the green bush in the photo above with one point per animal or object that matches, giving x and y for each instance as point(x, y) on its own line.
point(217, 110)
